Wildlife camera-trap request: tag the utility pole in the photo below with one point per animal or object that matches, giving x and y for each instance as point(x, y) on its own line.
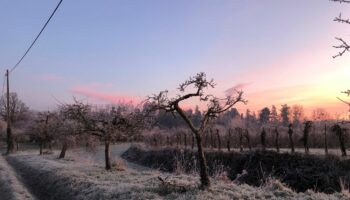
point(10, 143)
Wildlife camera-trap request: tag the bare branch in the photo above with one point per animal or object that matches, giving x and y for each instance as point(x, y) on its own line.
point(341, 1)
point(344, 46)
point(341, 20)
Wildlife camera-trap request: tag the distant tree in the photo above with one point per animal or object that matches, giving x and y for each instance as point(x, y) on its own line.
point(197, 116)
point(215, 107)
point(307, 128)
point(264, 116)
point(285, 112)
point(273, 114)
point(18, 112)
point(247, 136)
point(320, 114)
point(340, 133)
point(297, 114)
point(290, 134)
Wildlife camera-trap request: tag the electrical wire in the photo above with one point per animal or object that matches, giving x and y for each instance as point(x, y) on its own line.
point(32, 44)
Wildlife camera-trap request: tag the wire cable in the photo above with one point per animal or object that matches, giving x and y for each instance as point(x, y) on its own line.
point(52, 14)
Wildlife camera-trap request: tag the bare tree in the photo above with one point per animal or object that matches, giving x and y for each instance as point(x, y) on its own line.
point(277, 139)
point(290, 134)
point(215, 106)
point(108, 125)
point(43, 128)
point(239, 131)
point(307, 129)
point(69, 133)
point(340, 132)
point(18, 112)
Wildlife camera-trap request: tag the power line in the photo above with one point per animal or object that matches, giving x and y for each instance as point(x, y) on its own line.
point(14, 67)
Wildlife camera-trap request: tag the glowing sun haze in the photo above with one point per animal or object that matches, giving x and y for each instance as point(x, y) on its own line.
point(277, 52)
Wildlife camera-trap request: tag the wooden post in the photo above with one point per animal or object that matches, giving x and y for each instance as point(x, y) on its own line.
point(219, 140)
point(10, 143)
point(325, 140)
point(228, 144)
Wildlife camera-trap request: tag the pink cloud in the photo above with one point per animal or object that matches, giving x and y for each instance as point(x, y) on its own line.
point(105, 96)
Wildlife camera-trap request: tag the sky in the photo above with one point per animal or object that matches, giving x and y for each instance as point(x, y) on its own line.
point(277, 52)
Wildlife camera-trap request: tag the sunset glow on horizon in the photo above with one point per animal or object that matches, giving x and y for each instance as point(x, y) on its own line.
point(119, 51)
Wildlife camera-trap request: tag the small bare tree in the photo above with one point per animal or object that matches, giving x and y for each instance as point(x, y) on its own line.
point(108, 125)
point(18, 112)
point(307, 129)
point(247, 136)
point(277, 139)
point(43, 128)
point(290, 135)
point(340, 132)
point(215, 106)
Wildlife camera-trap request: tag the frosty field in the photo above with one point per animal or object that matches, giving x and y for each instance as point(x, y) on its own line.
point(82, 176)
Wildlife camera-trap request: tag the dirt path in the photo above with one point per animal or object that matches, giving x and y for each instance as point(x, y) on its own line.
point(11, 186)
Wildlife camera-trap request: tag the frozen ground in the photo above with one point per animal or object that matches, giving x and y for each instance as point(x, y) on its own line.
point(11, 187)
point(82, 176)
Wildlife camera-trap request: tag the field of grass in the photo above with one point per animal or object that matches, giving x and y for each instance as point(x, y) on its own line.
point(82, 176)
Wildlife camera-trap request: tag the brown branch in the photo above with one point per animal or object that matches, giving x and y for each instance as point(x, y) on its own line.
point(344, 46)
point(341, 1)
point(186, 118)
point(344, 101)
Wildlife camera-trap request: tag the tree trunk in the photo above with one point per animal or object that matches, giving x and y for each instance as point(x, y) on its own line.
point(41, 148)
point(263, 139)
point(10, 143)
point(291, 143)
point(325, 140)
point(185, 140)
point(205, 182)
point(155, 141)
point(290, 133)
point(240, 135)
point(276, 140)
point(63, 150)
point(342, 143)
point(17, 145)
point(229, 140)
point(167, 141)
point(107, 155)
point(212, 142)
point(192, 144)
point(306, 143)
point(248, 139)
point(219, 140)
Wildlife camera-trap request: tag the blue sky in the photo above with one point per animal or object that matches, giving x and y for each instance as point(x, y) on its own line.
point(135, 48)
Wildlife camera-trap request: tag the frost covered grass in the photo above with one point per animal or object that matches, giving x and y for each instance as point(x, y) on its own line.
point(51, 178)
point(11, 188)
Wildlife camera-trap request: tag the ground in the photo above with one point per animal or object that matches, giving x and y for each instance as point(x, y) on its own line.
point(26, 175)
